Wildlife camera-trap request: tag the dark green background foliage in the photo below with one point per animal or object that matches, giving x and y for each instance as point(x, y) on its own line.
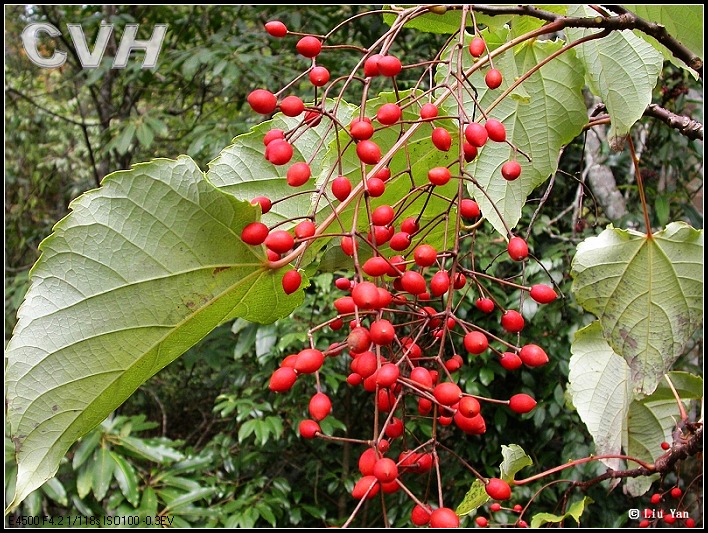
point(206, 438)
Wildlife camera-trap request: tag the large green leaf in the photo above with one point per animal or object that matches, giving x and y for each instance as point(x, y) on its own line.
point(600, 387)
point(544, 114)
point(646, 292)
point(684, 22)
point(139, 271)
point(619, 60)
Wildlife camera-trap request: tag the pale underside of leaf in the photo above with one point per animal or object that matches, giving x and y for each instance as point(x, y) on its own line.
point(622, 69)
point(647, 294)
point(548, 114)
point(139, 271)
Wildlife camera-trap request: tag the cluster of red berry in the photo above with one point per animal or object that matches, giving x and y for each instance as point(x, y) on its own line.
point(401, 299)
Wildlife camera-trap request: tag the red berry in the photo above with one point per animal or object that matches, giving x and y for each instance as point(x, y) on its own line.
point(444, 517)
point(493, 78)
point(305, 229)
point(368, 152)
point(320, 406)
point(367, 460)
point(388, 114)
point(469, 407)
point(422, 376)
point(441, 139)
point(655, 498)
point(388, 374)
point(495, 507)
point(319, 76)
point(440, 283)
point(382, 332)
point(309, 429)
point(341, 188)
point(533, 355)
point(476, 342)
point(495, 130)
point(447, 393)
point(498, 489)
point(348, 244)
point(264, 202)
point(420, 516)
point(282, 379)
point(361, 129)
point(400, 241)
point(469, 209)
point(375, 186)
point(481, 521)
point(511, 170)
point(413, 282)
point(279, 241)
point(665, 445)
point(276, 28)
point(428, 111)
point(371, 65)
point(383, 215)
point(521, 403)
point(425, 255)
point(254, 233)
point(439, 175)
point(385, 470)
point(518, 508)
point(476, 134)
point(676, 493)
point(384, 174)
point(644, 523)
point(298, 174)
point(518, 249)
point(669, 519)
point(512, 321)
point(359, 340)
point(486, 305)
point(510, 361)
point(343, 284)
point(309, 46)
point(291, 106)
point(544, 294)
point(279, 152)
point(469, 151)
point(366, 295)
point(690, 522)
point(291, 281)
point(262, 101)
point(389, 66)
point(272, 135)
point(313, 118)
point(477, 46)
point(367, 486)
point(309, 361)
point(375, 267)
point(472, 426)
